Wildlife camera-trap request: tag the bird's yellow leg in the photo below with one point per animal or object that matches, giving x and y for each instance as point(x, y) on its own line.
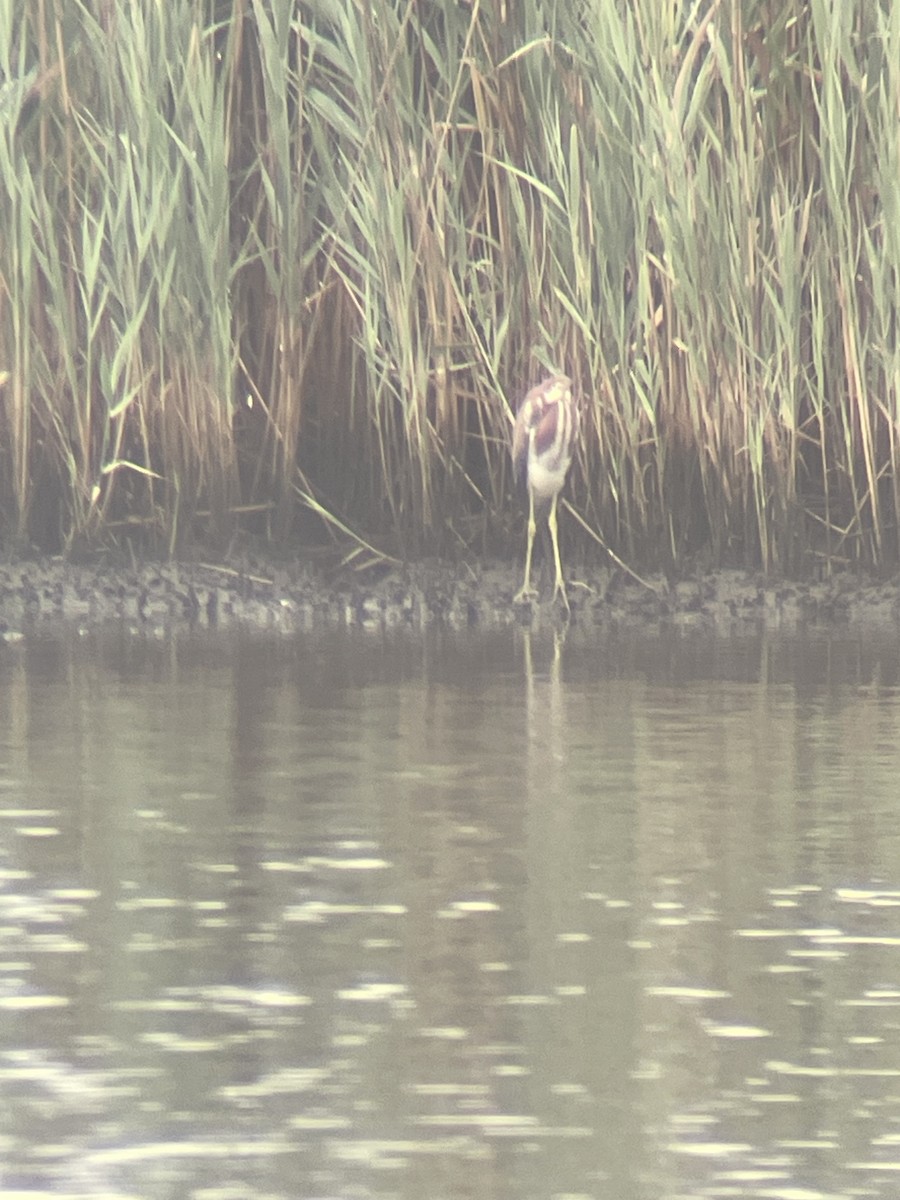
point(559, 585)
point(526, 590)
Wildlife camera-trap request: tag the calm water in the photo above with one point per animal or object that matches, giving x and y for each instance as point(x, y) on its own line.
point(492, 917)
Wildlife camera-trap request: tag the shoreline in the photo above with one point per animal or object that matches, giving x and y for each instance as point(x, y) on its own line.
point(265, 594)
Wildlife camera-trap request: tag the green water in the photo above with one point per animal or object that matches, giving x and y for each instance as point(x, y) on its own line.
point(505, 917)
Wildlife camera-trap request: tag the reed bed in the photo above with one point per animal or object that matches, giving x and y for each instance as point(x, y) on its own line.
point(289, 266)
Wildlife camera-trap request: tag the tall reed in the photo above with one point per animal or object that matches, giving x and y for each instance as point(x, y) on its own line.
point(117, 268)
point(268, 258)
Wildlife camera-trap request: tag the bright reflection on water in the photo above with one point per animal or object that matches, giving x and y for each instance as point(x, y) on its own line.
point(346, 916)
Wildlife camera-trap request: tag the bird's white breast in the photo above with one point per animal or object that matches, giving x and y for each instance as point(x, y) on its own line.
point(546, 479)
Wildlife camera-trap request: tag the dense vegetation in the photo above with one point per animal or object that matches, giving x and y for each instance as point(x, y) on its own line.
point(289, 265)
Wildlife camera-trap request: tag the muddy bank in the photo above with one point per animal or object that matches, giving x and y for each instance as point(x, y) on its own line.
point(264, 595)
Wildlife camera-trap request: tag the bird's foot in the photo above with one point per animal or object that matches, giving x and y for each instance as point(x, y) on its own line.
point(525, 594)
point(560, 591)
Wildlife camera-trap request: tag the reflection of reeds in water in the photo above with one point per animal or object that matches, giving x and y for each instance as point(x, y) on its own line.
point(300, 256)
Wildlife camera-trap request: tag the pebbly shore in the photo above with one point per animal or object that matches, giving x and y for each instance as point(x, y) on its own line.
point(285, 597)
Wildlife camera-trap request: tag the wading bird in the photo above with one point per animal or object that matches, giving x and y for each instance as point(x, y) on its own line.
point(543, 444)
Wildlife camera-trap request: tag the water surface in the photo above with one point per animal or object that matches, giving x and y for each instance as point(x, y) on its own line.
point(508, 916)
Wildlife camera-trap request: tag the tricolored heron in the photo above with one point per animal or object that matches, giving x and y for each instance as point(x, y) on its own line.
point(543, 444)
